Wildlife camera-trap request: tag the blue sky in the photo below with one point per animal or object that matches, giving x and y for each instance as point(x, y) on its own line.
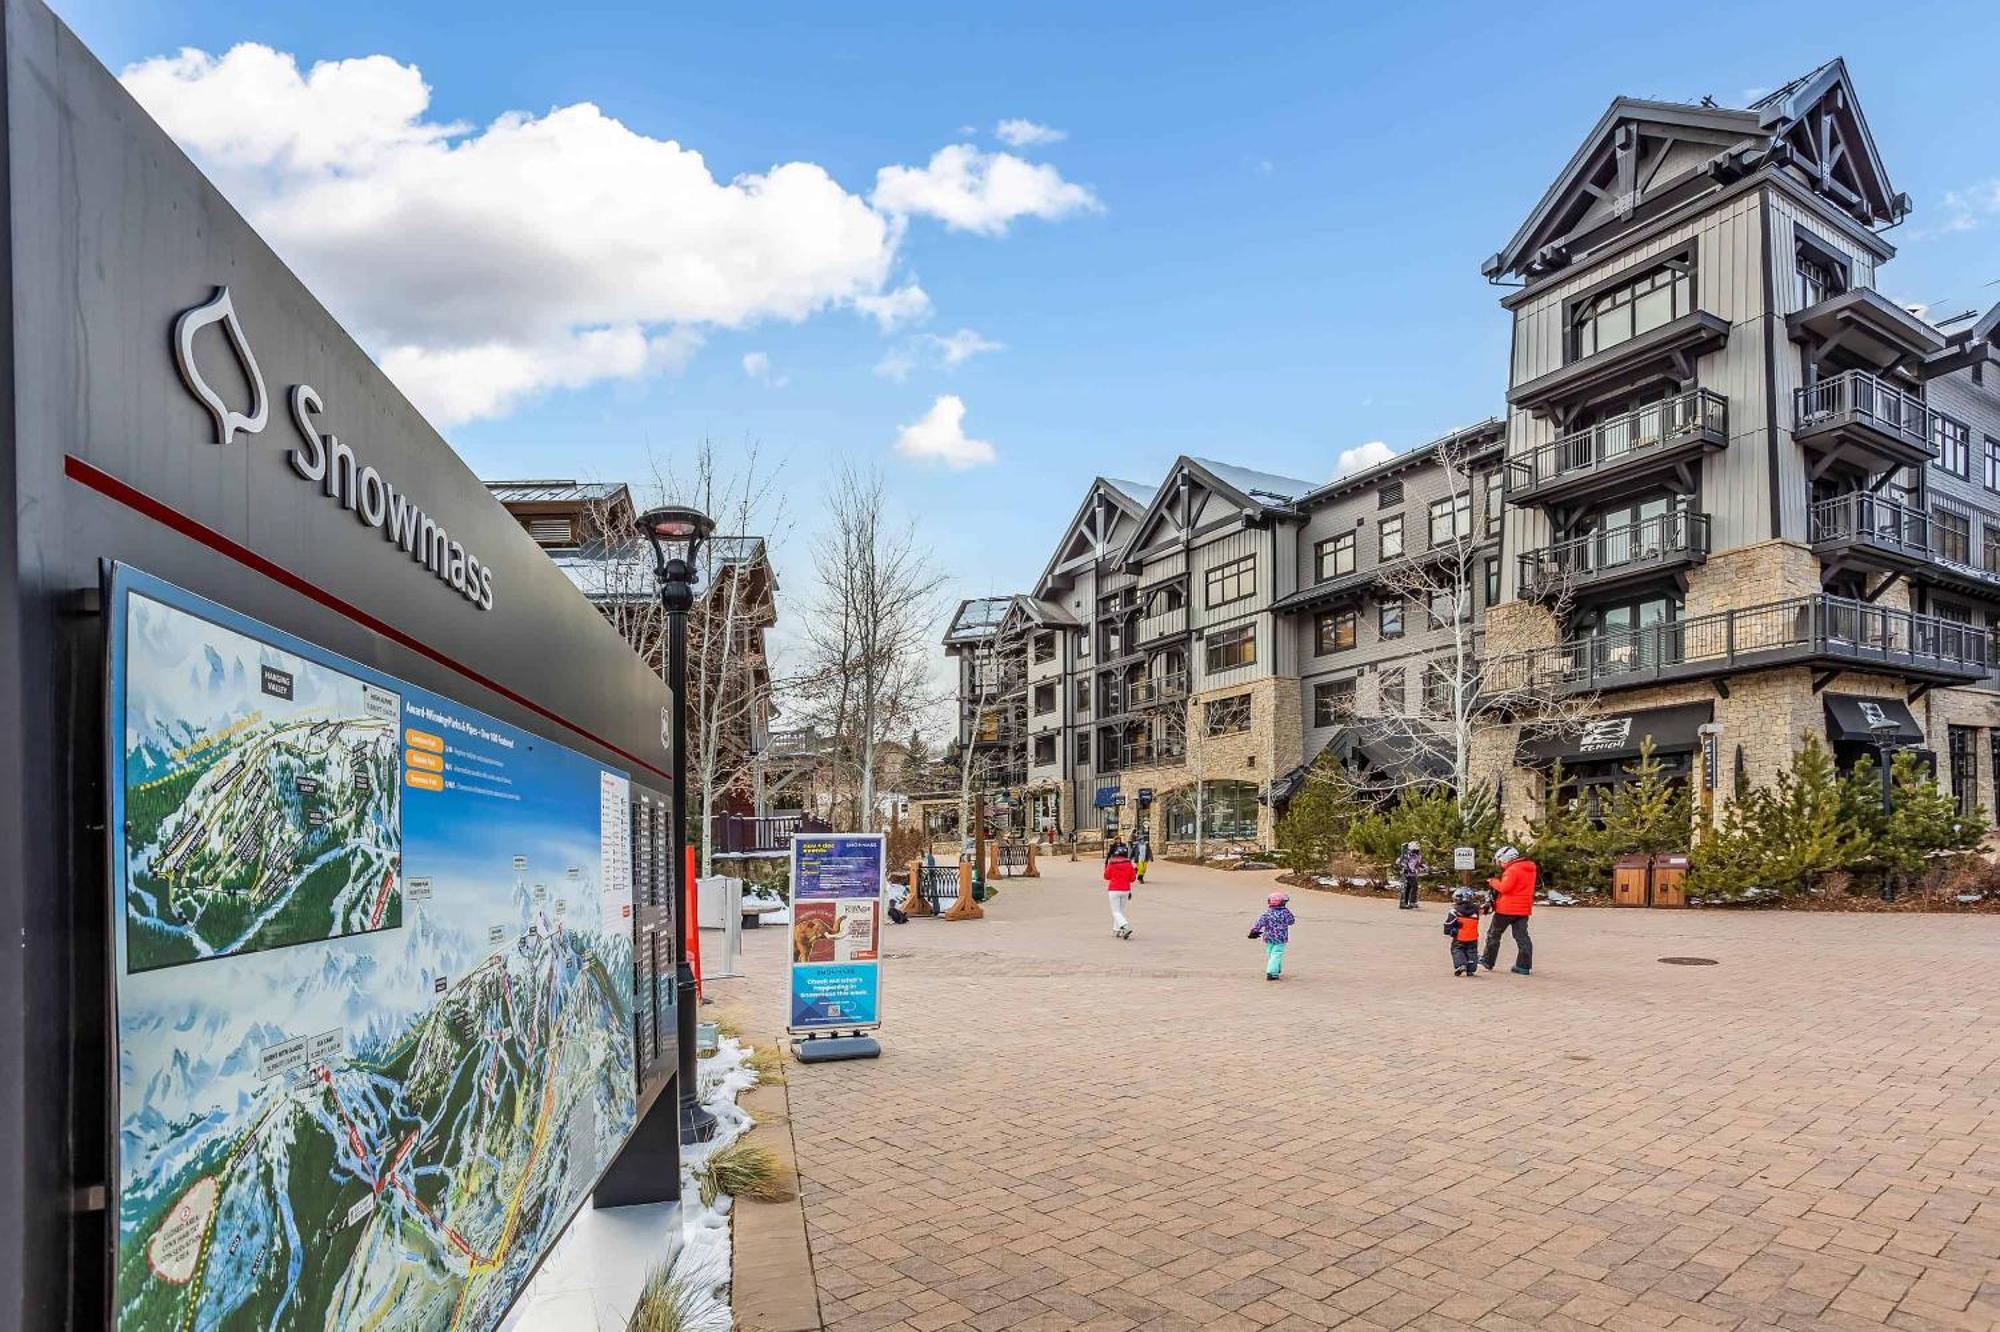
point(1282, 259)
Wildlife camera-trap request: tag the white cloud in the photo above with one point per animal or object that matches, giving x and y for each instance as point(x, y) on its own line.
point(1967, 209)
point(1362, 456)
point(484, 265)
point(757, 366)
point(939, 436)
point(948, 351)
point(969, 190)
point(1019, 133)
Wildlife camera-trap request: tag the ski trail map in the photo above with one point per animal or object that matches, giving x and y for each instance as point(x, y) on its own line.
point(374, 984)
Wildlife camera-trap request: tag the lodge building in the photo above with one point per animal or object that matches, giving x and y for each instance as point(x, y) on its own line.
point(1738, 495)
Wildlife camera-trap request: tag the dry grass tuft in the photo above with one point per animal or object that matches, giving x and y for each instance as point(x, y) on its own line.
point(742, 1170)
point(665, 1305)
point(768, 1063)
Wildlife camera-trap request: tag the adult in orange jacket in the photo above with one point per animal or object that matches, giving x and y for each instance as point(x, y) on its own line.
point(1513, 903)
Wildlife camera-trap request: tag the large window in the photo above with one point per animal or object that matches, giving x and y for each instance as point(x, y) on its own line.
point(1333, 702)
point(1451, 518)
point(1045, 750)
point(1227, 809)
point(1389, 692)
point(1438, 700)
point(1449, 604)
point(1953, 441)
point(1992, 463)
point(1230, 648)
point(1392, 537)
point(1045, 646)
point(1333, 631)
point(1951, 536)
point(1492, 581)
point(1228, 716)
point(1820, 275)
point(1334, 557)
point(1655, 297)
point(1230, 582)
point(1964, 768)
point(1045, 698)
point(1389, 618)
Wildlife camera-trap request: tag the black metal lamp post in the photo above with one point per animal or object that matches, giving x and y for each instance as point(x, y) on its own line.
point(1884, 730)
point(678, 526)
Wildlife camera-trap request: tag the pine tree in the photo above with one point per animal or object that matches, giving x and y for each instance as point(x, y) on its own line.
point(1316, 824)
point(1567, 845)
point(1923, 819)
point(1805, 834)
point(1648, 813)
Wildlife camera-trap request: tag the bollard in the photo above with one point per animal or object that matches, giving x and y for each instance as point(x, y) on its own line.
point(916, 904)
point(992, 862)
point(965, 908)
point(1032, 872)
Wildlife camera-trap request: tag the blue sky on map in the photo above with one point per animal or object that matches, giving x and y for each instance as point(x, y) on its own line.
point(998, 250)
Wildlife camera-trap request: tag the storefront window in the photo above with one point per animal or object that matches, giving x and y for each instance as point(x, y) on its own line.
point(1228, 811)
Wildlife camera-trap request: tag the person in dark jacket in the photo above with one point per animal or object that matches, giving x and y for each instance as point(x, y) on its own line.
point(1409, 865)
point(1513, 903)
point(1461, 926)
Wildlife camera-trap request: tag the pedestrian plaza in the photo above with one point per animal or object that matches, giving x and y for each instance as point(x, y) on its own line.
point(1069, 1130)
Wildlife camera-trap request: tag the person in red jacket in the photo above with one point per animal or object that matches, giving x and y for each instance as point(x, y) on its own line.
point(1513, 903)
point(1119, 872)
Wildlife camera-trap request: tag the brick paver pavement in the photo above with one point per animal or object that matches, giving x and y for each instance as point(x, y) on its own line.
point(1068, 1131)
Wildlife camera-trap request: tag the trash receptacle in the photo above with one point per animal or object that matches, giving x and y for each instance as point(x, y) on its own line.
point(1669, 881)
point(1628, 880)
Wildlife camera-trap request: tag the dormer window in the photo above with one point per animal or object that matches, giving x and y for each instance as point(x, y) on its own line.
point(1637, 305)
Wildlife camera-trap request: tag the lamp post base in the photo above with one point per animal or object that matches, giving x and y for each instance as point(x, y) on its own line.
point(697, 1125)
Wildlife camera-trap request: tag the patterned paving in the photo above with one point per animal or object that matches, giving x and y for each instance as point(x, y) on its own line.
point(1067, 1131)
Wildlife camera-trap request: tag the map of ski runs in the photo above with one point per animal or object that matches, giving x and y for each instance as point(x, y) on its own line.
point(382, 1123)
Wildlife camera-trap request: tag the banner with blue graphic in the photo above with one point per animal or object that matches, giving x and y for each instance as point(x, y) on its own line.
point(838, 882)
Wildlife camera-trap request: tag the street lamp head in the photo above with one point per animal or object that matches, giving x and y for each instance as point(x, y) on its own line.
point(1884, 729)
point(676, 522)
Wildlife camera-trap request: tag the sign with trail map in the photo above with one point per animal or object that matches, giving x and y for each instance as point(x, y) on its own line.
point(373, 960)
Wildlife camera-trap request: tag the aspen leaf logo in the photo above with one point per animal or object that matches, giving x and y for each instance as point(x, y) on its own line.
point(219, 309)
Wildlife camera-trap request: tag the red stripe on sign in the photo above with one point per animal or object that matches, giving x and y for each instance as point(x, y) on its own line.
point(83, 473)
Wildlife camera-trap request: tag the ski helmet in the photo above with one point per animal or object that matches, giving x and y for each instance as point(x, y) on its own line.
point(1277, 899)
point(1505, 854)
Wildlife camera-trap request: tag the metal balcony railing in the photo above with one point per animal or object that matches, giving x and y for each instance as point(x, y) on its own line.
point(1856, 395)
point(1158, 689)
point(1667, 538)
point(1636, 434)
point(1810, 628)
point(1863, 519)
point(1143, 754)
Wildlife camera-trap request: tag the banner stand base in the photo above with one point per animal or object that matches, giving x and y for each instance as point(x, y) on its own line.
point(825, 1049)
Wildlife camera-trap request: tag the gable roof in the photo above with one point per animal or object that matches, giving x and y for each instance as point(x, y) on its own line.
point(1127, 496)
point(1252, 492)
point(1632, 160)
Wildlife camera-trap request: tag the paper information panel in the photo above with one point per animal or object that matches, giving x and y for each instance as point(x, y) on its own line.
point(373, 961)
point(836, 956)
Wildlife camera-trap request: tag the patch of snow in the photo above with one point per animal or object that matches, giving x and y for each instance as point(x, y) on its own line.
point(704, 1263)
point(1556, 897)
point(1969, 898)
point(1324, 882)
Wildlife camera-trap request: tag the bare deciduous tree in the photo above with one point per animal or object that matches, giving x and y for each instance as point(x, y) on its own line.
point(729, 681)
point(864, 673)
point(1464, 690)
